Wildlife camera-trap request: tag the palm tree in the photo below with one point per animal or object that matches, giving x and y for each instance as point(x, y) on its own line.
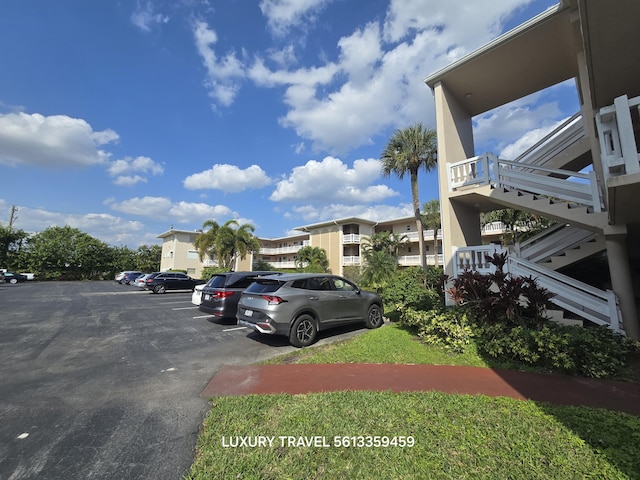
point(234, 240)
point(205, 243)
point(431, 220)
point(312, 259)
point(408, 151)
point(385, 241)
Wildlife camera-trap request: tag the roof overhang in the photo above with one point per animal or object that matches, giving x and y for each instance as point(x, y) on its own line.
point(535, 55)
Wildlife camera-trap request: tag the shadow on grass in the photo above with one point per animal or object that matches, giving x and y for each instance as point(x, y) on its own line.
point(615, 435)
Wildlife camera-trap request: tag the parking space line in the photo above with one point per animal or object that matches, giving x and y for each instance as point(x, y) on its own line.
point(232, 329)
point(202, 316)
point(184, 308)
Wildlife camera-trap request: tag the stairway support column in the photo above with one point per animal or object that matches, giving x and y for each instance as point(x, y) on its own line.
point(622, 282)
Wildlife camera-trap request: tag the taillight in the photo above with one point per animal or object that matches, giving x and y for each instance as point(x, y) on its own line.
point(273, 300)
point(221, 295)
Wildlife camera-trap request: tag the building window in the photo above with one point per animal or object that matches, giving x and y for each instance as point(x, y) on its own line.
point(192, 254)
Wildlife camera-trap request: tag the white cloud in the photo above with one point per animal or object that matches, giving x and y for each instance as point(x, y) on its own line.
point(505, 125)
point(376, 84)
point(228, 178)
point(111, 229)
point(145, 18)
point(123, 168)
point(162, 208)
point(285, 14)
point(331, 181)
point(313, 214)
point(223, 74)
point(56, 141)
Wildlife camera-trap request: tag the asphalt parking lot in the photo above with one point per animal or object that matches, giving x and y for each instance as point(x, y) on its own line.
point(103, 381)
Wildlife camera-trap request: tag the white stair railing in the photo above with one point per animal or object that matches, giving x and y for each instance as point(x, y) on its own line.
point(565, 185)
point(561, 138)
point(585, 301)
point(598, 306)
point(618, 145)
point(553, 241)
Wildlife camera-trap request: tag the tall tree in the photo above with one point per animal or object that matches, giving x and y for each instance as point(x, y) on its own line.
point(234, 240)
point(11, 242)
point(408, 151)
point(68, 253)
point(312, 259)
point(205, 242)
point(384, 241)
point(226, 242)
point(148, 258)
point(431, 221)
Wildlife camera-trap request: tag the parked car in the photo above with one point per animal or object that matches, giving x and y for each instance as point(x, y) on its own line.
point(130, 277)
point(299, 305)
point(160, 282)
point(196, 296)
point(141, 281)
point(221, 293)
point(118, 278)
point(12, 277)
point(1, 276)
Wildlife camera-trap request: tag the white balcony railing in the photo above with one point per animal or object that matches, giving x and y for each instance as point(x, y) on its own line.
point(350, 260)
point(618, 144)
point(282, 250)
point(351, 238)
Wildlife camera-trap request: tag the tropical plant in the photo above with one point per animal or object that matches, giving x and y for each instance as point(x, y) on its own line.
point(518, 225)
point(205, 242)
point(226, 242)
point(431, 221)
point(408, 151)
point(312, 259)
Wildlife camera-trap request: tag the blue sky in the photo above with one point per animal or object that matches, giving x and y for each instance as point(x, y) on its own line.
point(124, 117)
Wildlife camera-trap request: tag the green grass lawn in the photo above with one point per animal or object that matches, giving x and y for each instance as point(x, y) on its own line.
point(453, 436)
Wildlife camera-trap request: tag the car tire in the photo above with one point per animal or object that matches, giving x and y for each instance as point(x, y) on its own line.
point(159, 289)
point(13, 281)
point(374, 318)
point(303, 331)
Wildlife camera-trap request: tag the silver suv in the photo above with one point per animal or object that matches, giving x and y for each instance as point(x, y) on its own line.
point(299, 305)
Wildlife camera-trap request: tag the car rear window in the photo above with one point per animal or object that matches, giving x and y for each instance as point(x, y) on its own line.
point(264, 285)
point(217, 281)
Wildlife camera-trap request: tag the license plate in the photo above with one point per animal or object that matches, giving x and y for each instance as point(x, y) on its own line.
point(207, 296)
point(248, 313)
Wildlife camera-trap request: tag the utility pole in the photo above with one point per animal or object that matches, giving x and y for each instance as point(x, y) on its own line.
point(12, 216)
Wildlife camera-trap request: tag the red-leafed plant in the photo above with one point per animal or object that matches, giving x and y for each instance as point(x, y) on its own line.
point(501, 297)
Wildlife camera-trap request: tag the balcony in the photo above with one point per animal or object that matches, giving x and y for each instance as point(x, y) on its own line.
point(351, 238)
point(349, 261)
point(282, 250)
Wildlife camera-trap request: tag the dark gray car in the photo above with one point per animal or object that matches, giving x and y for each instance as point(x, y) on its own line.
point(222, 292)
point(299, 305)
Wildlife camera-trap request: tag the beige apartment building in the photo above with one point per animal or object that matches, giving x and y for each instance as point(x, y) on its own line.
point(585, 175)
point(342, 240)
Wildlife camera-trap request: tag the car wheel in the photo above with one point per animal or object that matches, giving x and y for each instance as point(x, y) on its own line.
point(13, 280)
point(303, 331)
point(374, 317)
point(159, 289)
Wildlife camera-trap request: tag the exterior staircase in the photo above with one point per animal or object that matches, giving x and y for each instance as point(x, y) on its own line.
point(534, 183)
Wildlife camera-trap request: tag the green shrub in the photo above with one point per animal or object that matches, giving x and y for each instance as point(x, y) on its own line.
point(449, 329)
point(407, 289)
point(596, 352)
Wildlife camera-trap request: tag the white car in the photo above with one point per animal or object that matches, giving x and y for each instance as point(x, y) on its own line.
point(140, 281)
point(196, 296)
